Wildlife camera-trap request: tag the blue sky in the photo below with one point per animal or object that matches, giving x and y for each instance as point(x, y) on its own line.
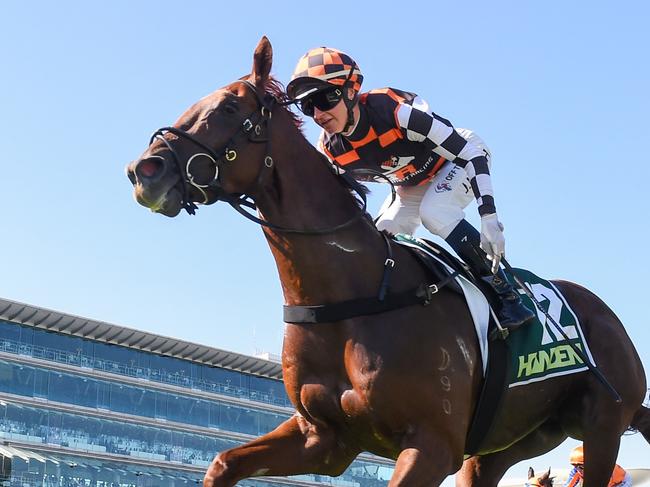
point(557, 89)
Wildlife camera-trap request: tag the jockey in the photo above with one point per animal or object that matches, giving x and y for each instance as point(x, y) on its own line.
point(620, 478)
point(436, 168)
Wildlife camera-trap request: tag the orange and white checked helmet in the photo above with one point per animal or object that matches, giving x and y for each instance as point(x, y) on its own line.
point(319, 69)
point(577, 456)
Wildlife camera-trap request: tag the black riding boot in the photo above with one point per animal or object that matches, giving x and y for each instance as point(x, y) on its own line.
point(466, 240)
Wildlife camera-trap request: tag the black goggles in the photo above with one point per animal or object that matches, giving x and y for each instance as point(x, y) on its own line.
point(323, 100)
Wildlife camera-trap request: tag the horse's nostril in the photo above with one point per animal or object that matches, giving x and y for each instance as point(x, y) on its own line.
point(131, 175)
point(148, 168)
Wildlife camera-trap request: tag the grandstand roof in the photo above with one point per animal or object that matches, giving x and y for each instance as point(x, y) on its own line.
point(101, 331)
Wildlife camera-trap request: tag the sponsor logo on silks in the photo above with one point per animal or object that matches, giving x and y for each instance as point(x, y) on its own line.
point(546, 360)
point(442, 187)
point(396, 162)
point(451, 174)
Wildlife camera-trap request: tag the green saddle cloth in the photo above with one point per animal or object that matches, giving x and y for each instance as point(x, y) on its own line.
point(538, 351)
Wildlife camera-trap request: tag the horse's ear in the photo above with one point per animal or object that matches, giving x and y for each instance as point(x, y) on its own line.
point(262, 61)
point(531, 472)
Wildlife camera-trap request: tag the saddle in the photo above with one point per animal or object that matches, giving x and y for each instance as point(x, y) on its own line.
point(423, 254)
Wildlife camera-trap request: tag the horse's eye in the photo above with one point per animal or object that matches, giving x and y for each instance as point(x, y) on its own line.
point(230, 107)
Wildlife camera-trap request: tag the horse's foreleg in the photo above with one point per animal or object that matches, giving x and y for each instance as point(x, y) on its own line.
point(425, 461)
point(295, 447)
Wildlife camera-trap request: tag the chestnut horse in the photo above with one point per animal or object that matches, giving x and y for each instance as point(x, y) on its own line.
point(402, 383)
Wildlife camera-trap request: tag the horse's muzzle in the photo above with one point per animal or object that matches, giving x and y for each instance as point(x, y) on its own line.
point(154, 184)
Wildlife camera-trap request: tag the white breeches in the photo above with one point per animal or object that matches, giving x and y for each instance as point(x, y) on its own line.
point(438, 204)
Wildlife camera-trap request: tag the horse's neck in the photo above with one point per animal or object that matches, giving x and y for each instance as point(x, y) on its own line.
point(305, 194)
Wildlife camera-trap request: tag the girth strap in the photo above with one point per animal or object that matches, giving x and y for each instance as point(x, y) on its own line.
point(328, 313)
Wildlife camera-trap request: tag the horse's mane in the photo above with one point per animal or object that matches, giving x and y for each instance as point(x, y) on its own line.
point(276, 88)
point(352, 184)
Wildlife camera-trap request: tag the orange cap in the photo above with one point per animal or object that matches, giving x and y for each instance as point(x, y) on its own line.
point(322, 67)
point(577, 456)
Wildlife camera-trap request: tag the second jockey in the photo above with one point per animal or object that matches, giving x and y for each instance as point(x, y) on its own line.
point(436, 168)
point(619, 478)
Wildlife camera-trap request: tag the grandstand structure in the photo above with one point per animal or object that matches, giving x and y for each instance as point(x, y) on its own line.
point(88, 403)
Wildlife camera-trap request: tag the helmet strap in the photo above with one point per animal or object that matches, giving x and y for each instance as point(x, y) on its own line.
point(349, 105)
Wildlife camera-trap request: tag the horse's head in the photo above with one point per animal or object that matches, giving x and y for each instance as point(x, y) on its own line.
point(544, 480)
point(211, 152)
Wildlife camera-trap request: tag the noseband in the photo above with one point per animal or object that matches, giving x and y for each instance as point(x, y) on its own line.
point(256, 127)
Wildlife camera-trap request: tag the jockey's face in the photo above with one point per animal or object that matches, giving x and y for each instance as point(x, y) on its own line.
point(333, 120)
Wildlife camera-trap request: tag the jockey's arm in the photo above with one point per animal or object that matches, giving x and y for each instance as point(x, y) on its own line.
point(419, 124)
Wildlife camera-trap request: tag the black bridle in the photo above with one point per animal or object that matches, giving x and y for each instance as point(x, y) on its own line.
point(255, 129)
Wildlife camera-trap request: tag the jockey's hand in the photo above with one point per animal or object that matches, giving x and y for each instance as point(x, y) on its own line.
point(492, 240)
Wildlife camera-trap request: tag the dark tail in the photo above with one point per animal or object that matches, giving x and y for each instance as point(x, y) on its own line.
point(641, 422)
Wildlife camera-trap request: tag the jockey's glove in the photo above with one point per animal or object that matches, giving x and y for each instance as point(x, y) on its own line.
point(492, 240)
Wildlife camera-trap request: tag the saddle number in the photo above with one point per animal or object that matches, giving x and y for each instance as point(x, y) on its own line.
point(555, 306)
